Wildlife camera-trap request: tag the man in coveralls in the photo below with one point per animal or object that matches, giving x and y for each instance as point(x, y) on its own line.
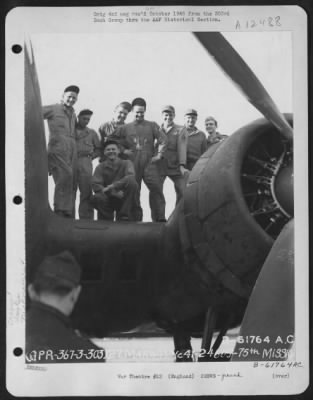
point(114, 185)
point(88, 148)
point(53, 293)
point(139, 139)
point(62, 150)
point(192, 142)
point(211, 128)
point(169, 165)
point(108, 129)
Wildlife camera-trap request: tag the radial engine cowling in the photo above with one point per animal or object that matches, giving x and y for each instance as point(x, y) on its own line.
point(238, 198)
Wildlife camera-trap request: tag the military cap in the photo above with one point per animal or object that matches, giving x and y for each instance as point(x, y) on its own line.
point(85, 112)
point(168, 108)
point(72, 88)
point(139, 101)
point(62, 268)
point(210, 119)
point(191, 111)
point(126, 105)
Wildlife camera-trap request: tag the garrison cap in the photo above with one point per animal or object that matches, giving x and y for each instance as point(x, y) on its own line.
point(72, 88)
point(168, 108)
point(62, 268)
point(85, 112)
point(139, 101)
point(210, 118)
point(191, 111)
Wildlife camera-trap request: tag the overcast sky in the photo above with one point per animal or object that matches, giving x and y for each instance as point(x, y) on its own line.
point(164, 68)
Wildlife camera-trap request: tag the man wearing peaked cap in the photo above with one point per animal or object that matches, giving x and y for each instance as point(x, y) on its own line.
point(169, 165)
point(192, 142)
point(88, 148)
point(62, 149)
point(211, 128)
point(169, 109)
point(54, 292)
point(191, 111)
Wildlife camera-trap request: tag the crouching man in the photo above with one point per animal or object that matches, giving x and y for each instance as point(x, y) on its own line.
point(54, 292)
point(114, 185)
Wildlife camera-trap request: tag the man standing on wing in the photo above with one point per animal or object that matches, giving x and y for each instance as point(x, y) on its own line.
point(211, 128)
point(192, 142)
point(88, 148)
point(169, 165)
point(107, 129)
point(62, 150)
point(140, 140)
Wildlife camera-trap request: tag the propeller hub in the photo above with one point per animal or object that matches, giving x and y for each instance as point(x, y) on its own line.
point(283, 188)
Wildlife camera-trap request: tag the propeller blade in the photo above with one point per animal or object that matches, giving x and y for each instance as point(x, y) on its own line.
point(236, 68)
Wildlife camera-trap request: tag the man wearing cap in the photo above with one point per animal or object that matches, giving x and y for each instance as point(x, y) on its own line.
point(88, 148)
point(54, 292)
point(211, 128)
point(114, 185)
point(192, 142)
point(107, 129)
point(144, 144)
point(62, 149)
point(169, 165)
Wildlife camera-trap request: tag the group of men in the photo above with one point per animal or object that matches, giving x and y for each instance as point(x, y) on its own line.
point(128, 153)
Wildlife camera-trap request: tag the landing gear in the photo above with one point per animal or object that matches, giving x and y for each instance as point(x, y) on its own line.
point(182, 345)
point(208, 351)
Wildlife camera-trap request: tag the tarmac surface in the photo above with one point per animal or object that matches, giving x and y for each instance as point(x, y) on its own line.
point(140, 347)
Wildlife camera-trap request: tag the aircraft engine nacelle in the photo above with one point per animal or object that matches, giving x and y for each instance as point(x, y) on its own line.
point(238, 198)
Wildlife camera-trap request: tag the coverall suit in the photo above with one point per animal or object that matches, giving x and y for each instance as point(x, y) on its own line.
point(191, 145)
point(62, 155)
point(218, 137)
point(88, 148)
point(121, 174)
point(169, 165)
point(107, 131)
point(140, 137)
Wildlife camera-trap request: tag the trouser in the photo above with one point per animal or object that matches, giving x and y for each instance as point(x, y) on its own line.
point(83, 183)
point(106, 204)
point(182, 346)
point(179, 184)
point(148, 172)
point(62, 168)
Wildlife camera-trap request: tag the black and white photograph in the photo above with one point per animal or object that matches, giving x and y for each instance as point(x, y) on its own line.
point(158, 179)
